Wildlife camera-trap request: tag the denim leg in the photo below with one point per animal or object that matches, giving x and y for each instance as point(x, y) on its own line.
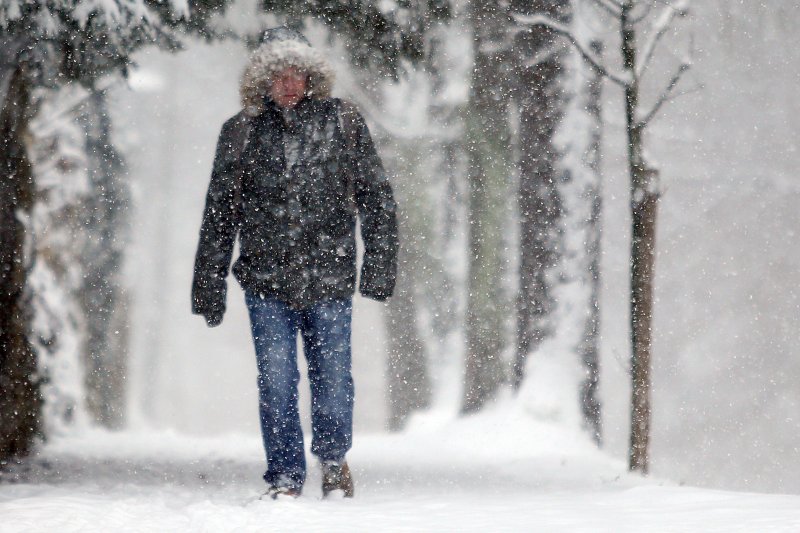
point(274, 326)
point(326, 342)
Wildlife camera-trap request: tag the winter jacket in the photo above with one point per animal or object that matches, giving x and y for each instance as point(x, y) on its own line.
point(290, 184)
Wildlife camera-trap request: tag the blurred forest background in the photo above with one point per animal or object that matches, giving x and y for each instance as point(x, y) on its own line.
point(509, 157)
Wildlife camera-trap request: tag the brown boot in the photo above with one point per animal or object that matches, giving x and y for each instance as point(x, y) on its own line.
point(336, 476)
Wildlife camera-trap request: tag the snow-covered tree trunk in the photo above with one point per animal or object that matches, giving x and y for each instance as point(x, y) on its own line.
point(542, 97)
point(489, 153)
point(73, 226)
point(407, 372)
point(20, 401)
point(579, 305)
point(589, 349)
point(101, 222)
point(444, 292)
point(57, 147)
point(429, 199)
point(424, 299)
point(407, 379)
point(559, 199)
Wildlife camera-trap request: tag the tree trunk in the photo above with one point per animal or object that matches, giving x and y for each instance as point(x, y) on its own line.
point(407, 380)
point(589, 347)
point(644, 198)
point(559, 199)
point(542, 101)
point(408, 386)
point(102, 220)
point(487, 136)
point(423, 313)
point(20, 401)
point(643, 213)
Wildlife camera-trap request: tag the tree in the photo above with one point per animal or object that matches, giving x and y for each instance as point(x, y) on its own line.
point(591, 226)
point(423, 161)
point(645, 191)
point(46, 43)
point(58, 279)
point(558, 196)
point(407, 378)
point(556, 157)
point(542, 97)
point(630, 16)
point(488, 142)
point(101, 220)
point(20, 402)
point(78, 230)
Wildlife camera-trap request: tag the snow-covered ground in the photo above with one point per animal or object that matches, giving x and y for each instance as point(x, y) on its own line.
point(503, 470)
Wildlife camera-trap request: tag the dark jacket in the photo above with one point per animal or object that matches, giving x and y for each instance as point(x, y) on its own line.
point(293, 201)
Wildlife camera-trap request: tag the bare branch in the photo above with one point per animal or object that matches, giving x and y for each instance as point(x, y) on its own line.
point(697, 88)
point(591, 58)
point(666, 95)
point(660, 26)
point(539, 58)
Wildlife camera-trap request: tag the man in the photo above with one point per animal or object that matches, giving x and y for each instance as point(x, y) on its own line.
point(292, 171)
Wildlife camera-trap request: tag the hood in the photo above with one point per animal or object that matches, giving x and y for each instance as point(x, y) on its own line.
point(281, 48)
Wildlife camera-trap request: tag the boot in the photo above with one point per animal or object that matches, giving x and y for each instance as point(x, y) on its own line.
point(336, 476)
point(282, 488)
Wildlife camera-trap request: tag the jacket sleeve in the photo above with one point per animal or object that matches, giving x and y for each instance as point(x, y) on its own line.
point(377, 212)
point(218, 231)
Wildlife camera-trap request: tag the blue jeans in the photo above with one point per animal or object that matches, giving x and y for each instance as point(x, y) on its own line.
point(325, 329)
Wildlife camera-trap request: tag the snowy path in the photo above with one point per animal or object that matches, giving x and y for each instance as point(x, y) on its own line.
point(478, 474)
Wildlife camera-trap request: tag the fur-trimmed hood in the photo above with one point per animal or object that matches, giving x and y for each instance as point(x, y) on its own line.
point(281, 48)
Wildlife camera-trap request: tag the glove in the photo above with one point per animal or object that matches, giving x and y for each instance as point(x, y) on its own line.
point(375, 293)
point(208, 299)
point(213, 319)
point(376, 287)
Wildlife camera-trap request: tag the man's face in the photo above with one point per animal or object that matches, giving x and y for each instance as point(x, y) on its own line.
point(288, 87)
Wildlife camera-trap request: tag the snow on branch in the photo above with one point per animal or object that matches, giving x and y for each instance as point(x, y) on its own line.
point(125, 16)
point(541, 20)
point(68, 105)
point(613, 7)
point(109, 11)
point(659, 27)
point(181, 8)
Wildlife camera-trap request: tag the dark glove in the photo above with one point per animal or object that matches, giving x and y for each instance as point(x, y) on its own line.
point(376, 287)
point(213, 319)
point(378, 296)
point(208, 299)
